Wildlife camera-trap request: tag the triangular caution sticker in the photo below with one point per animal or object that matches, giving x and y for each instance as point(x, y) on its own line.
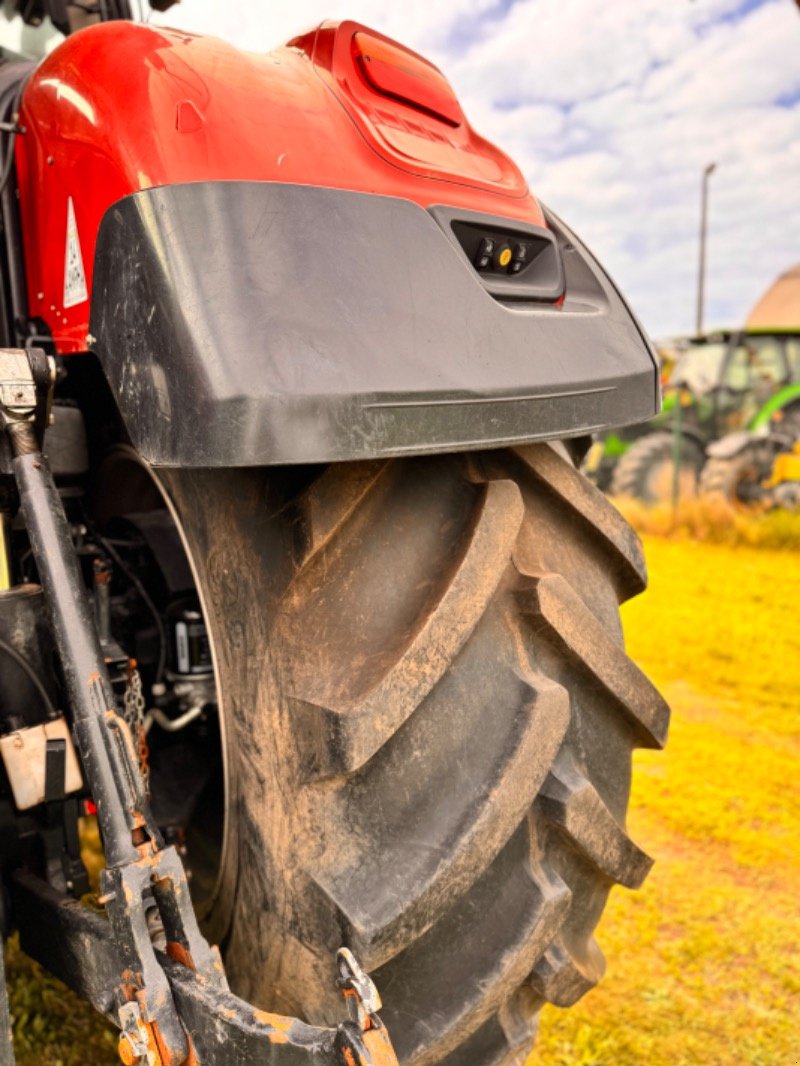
point(74, 275)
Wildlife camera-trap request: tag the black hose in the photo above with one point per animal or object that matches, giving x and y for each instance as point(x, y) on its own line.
point(24, 665)
point(8, 161)
point(116, 558)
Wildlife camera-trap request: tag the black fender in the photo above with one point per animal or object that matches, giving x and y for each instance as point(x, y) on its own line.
point(250, 323)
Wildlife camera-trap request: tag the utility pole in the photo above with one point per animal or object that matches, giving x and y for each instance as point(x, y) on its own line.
point(701, 273)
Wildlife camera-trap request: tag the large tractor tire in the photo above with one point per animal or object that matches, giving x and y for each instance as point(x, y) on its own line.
point(738, 478)
point(645, 471)
point(428, 717)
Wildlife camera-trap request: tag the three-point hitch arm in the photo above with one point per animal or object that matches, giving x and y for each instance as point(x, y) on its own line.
point(173, 1006)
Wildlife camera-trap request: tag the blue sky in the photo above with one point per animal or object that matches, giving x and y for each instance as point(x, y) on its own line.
point(612, 110)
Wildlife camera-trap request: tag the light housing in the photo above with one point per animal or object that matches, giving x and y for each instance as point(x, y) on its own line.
point(396, 72)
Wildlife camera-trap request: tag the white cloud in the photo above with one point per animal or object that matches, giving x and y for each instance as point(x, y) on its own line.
point(265, 24)
point(612, 111)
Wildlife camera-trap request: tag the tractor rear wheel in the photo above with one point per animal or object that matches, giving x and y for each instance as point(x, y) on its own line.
point(738, 478)
point(646, 470)
point(428, 717)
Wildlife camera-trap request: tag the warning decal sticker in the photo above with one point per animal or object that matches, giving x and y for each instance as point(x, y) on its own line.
point(74, 276)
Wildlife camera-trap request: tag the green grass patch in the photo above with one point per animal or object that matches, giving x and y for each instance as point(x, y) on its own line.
point(52, 1027)
point(713, 520)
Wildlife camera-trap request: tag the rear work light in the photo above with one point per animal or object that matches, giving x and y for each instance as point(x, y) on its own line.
point(393, 71)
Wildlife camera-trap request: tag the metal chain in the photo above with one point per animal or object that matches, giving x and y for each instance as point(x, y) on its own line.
point(133, 710)
point(133, 713)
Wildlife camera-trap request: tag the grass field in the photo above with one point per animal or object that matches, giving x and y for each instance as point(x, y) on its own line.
point(704, 962)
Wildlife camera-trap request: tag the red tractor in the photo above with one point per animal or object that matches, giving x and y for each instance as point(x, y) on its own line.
point(303, 594)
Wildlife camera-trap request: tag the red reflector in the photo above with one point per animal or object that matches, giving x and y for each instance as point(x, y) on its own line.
point(393, 71)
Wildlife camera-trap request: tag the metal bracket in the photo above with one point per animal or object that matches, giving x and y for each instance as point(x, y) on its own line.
point(358, 989)
point(136, 1043)
point(27, 378)
point(78, 945)
point(365, 1032)
point(17, 387)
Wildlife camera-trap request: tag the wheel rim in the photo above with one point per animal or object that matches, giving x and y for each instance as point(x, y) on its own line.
point(119, 460)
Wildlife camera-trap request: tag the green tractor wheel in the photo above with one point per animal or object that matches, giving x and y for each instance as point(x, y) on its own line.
point(738, 478)
point(646, 470)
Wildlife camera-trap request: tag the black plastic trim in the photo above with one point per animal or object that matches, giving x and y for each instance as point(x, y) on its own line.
point(255, 323)
point(542, 280)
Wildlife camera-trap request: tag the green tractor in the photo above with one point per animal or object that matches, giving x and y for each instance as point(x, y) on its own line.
point(751, 466)
point(731, 405)
point(694, 357)
point(729, 401)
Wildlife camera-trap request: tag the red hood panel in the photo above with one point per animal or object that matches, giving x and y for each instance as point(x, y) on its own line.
point(122, 107)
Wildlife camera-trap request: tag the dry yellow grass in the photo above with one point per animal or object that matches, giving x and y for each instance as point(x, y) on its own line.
point(713, 520)
point(703, 962)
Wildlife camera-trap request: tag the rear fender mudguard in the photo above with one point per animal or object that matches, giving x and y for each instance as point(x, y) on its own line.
point(733, 444)
point(250, 323)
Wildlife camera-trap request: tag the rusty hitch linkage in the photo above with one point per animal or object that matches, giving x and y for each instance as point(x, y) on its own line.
point(172, 1007)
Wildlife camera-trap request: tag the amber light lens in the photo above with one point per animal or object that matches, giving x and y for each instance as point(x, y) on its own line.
point(392, 71)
